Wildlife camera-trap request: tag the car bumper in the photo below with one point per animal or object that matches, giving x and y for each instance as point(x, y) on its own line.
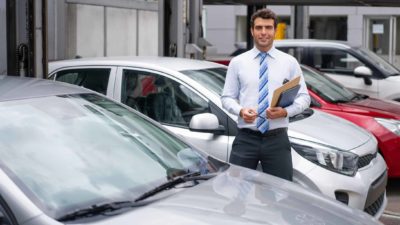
point(364, 191)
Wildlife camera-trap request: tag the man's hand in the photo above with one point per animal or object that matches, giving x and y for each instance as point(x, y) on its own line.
point(276, 112)
point(248, 114)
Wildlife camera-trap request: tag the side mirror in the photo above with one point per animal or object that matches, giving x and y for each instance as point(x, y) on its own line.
point(362, 71)
point(206, 123)
point(365, 73)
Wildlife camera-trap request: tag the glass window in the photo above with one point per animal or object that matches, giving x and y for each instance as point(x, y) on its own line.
point(334, 60)
point(378, 61)
point(326, 88)
point(4, 220)
point(213, 79)
point(81, 150)
point(161, 98)
point(95, 79)
point(297, 52)
point(328, 27)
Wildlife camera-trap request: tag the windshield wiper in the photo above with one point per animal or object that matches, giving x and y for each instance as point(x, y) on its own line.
point(114, 206)
point(340, 101)
point(358, 97)
point(195, 176)
point(97, 209)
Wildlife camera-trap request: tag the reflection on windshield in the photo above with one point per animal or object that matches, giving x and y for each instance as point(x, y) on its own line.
point(213, 79)
point(69, 152)
point(390, 69)
point(326, 88)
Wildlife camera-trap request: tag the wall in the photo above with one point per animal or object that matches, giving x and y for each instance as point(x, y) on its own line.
point(221, 22)
point(89, 28)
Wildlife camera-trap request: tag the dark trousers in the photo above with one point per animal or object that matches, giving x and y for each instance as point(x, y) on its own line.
point(272, 150)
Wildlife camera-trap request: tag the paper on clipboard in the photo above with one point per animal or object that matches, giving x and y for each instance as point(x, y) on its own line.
point(275, 97)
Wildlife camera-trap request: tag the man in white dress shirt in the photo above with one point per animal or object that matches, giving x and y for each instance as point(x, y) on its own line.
point(262, 135)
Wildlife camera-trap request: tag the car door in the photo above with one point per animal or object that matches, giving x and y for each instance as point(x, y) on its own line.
point(339, 64)
point(172, 103)
point(97, 78)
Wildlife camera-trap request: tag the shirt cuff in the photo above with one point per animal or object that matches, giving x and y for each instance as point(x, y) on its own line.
point(290, 111)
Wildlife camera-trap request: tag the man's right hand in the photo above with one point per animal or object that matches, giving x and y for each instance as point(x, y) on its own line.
point(248, 114)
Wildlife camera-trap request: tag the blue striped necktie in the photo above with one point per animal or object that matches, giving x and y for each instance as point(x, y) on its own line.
point(262, 121)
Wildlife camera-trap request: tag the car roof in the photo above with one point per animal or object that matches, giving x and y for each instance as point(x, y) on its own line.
point(314, 42)
point(14, 88)
point(171, 63)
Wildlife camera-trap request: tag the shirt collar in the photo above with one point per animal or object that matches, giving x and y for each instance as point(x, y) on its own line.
point(272, 52)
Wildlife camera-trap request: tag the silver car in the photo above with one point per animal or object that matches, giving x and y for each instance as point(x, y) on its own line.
point(69, 155)
point(331, 156)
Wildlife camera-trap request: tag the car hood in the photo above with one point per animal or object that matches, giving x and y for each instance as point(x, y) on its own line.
point(329, 130)
point(377, 107)
point(242, 196)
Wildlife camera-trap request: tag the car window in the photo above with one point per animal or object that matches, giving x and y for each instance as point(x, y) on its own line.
point(95, 79)
point(213, 78)
point(5, 218)
point(297, 52)
point(334, 60)
point(161, 98)
point(326, 88)
point(378, 61)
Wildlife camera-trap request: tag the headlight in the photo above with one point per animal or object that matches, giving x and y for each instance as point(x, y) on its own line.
point(390, 124)
point(328, 157)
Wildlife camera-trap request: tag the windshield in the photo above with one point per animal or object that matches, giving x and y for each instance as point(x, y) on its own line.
point(74, 151)
point(377, 60)
point(326, 88)
point(213, 79)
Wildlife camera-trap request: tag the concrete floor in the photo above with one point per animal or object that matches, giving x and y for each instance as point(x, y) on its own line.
point(392, 211)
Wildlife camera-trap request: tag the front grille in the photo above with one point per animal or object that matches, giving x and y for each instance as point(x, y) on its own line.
point(365, 160)
point(375, 206)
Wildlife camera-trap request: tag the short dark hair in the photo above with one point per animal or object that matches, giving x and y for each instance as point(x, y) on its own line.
point(264, 14)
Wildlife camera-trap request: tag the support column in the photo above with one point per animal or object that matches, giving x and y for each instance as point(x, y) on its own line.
point(171, 28)
point(300, 21)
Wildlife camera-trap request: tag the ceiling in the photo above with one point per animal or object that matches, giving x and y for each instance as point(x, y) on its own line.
point(385, 3)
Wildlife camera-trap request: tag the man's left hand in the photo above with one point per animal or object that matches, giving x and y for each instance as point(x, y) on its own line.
point(276, 112)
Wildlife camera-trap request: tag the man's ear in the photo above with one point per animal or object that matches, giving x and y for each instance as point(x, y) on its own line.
point(251, 31)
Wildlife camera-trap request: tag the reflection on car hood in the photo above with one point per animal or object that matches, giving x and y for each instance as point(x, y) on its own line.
point(380, 108)
point(242, 196)
point(329, 130)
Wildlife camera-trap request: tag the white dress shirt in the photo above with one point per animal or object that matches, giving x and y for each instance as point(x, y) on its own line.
point(241, 84)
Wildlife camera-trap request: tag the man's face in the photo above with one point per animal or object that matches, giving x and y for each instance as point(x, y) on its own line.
point(263, 33)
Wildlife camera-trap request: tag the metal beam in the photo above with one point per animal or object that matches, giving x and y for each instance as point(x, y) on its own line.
point(383, 3)
point(126, 4)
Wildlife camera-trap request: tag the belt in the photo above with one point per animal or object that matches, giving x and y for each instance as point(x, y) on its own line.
point(266, 134)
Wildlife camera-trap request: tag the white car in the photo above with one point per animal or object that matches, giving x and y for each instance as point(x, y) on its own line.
point(331, 156)
point(354, 67)
point(69, 155)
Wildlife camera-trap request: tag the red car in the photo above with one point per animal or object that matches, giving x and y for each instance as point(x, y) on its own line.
point(380, 117)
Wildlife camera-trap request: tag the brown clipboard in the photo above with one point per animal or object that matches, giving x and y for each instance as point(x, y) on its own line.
point(277, 93)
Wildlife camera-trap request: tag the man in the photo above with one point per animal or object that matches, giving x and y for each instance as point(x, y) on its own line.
point(251, 79)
